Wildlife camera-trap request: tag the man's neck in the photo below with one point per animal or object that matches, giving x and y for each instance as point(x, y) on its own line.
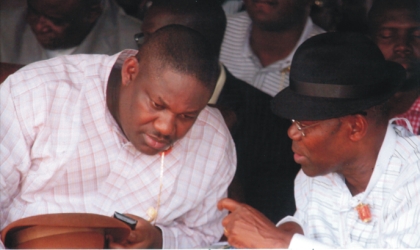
point(358, 173)
point(272, 46)
point(357, 182)
point(113, 92)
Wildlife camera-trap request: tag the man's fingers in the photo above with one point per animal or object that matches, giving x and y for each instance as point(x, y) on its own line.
point(228, 204)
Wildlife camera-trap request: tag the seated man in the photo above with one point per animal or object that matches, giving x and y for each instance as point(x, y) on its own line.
point(48, 28)
point(266, 170)
point(395, 28)
point(259, 43)
point(359, 183)
point(128, 133)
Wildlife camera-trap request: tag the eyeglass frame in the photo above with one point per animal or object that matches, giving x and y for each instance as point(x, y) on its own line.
point(137, 37)
point(299, 126)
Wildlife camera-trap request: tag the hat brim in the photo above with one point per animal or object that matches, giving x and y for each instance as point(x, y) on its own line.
point(290, 105)
point(65, 230)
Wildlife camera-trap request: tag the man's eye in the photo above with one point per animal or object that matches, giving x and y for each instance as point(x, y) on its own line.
point(157, 106)
point(385, 34)
point(188, 117)
point(416, 33)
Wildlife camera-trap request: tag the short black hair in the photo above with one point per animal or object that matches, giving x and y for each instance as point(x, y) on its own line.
point(379, 7)
point(184, 50)
point(205, 16)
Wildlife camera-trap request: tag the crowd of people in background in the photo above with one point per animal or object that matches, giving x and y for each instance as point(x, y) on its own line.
point(253, 44)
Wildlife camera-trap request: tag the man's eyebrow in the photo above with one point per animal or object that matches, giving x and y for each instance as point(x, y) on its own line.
point(57, 19)
point(163, 103)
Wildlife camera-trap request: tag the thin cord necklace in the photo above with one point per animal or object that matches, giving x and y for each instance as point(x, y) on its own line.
point(153, 212)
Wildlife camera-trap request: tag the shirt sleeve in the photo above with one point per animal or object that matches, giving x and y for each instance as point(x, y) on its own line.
point(14, 151)
point(202, 225)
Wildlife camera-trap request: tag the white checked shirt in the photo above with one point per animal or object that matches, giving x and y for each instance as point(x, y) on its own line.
point(237, 55)
point(326, 208)
point(61, 151)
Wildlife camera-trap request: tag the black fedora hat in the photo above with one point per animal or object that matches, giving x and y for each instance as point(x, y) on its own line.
point(337, 74)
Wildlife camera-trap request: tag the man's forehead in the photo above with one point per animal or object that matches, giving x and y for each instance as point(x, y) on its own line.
point(56, 7)
point(400, 16)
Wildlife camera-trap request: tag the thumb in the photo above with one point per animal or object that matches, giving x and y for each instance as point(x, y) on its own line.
point(228, 204)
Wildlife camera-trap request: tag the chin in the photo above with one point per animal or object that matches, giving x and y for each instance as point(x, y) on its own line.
point(147, 150)
point(311, 172)
point(50, 44)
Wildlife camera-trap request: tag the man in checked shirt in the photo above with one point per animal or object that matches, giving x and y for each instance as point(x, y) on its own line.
point(130, 133)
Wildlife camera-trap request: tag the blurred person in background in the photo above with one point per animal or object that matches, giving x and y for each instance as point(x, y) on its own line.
point(47, 28)
point(395, 28)
point(259, 43)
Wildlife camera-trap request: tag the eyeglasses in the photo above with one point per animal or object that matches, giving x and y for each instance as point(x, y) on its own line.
point(301, 127)
point(138, 37)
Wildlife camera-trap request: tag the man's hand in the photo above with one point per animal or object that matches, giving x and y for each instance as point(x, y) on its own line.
point(145, 235)
point(245, 227)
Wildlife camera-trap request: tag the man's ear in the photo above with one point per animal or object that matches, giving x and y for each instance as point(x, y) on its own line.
point(130, 70)
point(358, 127)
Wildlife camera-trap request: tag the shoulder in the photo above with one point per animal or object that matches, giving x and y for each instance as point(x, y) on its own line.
point(407, 146)
point(60, 72)
point(210, 119)
point(237, 23)
point(240, 17)
point(313, 28)
point(209, 133)
point(209, 143)
point(408, 152)
point(405, 160)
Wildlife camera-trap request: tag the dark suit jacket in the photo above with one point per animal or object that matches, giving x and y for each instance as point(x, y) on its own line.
point(266, 169)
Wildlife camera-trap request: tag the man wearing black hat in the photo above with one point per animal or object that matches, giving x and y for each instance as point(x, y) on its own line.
point(359, 185)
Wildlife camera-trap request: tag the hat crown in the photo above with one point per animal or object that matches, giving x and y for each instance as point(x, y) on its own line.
point(337, 74)
point(339, 59)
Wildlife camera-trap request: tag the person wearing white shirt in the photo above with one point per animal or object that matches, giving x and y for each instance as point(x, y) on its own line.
point(43, 29)
point(130, 133)
point(359, 184)
point(259, 43)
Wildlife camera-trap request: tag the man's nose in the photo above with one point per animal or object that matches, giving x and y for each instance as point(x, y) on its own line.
point(294, 133)
point(165, 124)
point(403, 45)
